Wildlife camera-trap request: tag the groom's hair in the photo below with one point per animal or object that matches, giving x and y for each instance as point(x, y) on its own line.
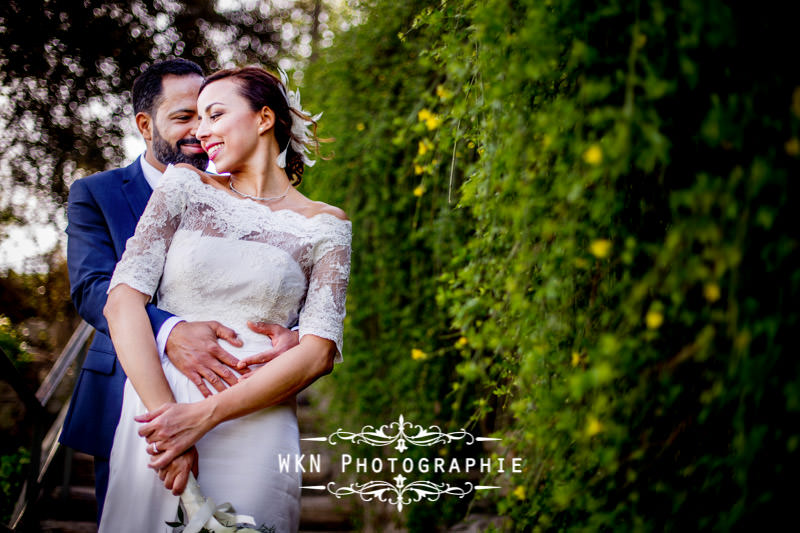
point(147, 86)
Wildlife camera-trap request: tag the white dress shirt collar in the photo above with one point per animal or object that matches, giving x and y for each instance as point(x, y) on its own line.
point(151, 174)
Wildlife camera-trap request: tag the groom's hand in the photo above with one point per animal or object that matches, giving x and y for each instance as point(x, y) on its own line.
point(282, 339)
point(176, 474)
point(215, 180)
point(193, 349)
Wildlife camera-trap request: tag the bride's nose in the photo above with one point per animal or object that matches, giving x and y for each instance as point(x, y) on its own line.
point(200, 130)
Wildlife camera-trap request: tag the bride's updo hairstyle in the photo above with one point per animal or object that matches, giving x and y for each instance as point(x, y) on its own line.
point(261, 88)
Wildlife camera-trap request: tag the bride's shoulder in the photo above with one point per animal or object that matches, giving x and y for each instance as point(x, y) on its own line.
point(311, 209)
point(323, 208)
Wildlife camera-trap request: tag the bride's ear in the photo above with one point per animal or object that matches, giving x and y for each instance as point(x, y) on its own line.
point(266, 119)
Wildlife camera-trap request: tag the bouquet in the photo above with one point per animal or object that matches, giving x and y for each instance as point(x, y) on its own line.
point(204, 517)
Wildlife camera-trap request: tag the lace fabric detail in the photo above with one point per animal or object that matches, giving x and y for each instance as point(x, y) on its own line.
point(210, 256)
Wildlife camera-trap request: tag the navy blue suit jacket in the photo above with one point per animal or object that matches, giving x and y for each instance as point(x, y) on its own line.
point(102, 212)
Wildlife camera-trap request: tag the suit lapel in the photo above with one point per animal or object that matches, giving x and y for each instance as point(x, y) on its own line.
point(136, 189)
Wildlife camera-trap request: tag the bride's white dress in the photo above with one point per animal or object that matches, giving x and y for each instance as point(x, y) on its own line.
point(211, 256)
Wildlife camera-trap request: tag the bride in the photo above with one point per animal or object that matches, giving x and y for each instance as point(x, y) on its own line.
point(254, 250)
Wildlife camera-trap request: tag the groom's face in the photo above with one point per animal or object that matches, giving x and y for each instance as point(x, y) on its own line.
point(175, 116)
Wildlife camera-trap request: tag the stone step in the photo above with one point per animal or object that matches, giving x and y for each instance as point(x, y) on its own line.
point(64, 526)
point(82, 472)
point(79, 504)
point(325, 513)
point(324, 475)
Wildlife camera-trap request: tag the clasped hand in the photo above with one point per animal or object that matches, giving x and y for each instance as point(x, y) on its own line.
point(172, 429)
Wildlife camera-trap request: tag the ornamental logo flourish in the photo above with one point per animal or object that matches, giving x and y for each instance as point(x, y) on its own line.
point(402, 434)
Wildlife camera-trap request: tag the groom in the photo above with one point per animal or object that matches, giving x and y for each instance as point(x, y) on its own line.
point(102, 212)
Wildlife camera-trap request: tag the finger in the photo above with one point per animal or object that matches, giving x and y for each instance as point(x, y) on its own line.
point(164, 459)
point(223, 357)
point(197, 379)
point(213, 379)
point(225, 373)
point(150, 415)
point(169, 479)
point(224, 332)
point(149, 449)
point(179, 484)
point(264, 328)
point(162, 474)
point(262, 357)
point(147, 431)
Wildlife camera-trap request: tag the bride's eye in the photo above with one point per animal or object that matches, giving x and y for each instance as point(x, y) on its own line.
point(215, 116)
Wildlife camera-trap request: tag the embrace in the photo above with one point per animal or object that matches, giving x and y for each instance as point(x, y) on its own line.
point(227, 300)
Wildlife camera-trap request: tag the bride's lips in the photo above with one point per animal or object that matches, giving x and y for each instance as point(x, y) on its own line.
point(213, 149)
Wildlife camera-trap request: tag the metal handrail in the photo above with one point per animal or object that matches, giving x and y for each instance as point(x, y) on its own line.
point(44, 447)
point(64, 361)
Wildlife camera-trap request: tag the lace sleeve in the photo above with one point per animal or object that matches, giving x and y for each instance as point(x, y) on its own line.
point(142, 262)
point(324, 309)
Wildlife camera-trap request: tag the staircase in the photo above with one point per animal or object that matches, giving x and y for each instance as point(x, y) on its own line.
point(71, 507)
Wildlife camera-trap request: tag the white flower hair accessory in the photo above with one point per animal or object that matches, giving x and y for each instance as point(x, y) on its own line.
point(301, 135)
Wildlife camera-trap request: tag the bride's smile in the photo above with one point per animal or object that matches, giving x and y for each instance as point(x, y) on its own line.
point(240, 140)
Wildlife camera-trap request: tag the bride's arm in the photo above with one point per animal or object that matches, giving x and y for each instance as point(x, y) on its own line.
point(136, 349)
point(176, 427)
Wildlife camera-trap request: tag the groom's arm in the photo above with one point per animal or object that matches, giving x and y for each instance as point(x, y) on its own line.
point(91, 260)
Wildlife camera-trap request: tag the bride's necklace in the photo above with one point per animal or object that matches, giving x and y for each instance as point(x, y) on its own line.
point(259, 198)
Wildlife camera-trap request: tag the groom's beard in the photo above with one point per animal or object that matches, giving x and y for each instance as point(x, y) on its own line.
point(168, 154)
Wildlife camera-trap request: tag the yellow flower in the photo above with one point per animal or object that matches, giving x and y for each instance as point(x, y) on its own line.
point(519, 492)
point(470, 145)
point(418, 169)
point(600, 248)
point(443, 93)
point(360, 126)
point(419, 190)
point(461, 342)
point(711, 292)
point(792, 146)
point(593, 426)
point(433, 122)
point(480, 150)
point(654, 319)
point(423, 115)
point(417, 354)
point(593, 155)
point(576, 358)
point(423, 147)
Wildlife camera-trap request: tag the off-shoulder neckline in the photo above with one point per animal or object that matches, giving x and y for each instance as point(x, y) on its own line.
point(259, 205)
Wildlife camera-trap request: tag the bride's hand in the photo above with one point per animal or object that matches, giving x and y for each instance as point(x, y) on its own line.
point(171, 429)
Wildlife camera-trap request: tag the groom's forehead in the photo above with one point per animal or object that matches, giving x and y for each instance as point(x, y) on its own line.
point(179, 92)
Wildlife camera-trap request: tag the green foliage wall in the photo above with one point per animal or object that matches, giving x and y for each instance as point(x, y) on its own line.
point(369, 89)
point(590, 208)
